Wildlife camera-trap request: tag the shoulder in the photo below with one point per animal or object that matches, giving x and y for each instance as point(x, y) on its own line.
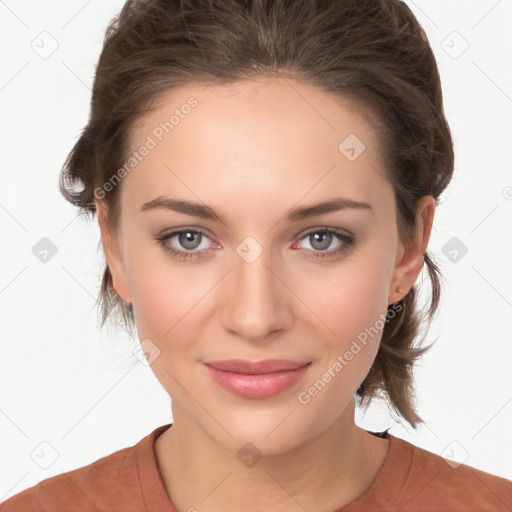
point(110, 483)
point(439, 483)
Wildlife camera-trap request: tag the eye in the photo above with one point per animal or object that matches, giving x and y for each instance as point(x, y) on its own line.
point(321, 239)
point(188, 238)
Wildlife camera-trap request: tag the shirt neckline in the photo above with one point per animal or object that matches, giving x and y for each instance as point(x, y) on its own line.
point(396, 466)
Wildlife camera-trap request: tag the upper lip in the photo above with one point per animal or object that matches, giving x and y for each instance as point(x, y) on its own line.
point(246, 367)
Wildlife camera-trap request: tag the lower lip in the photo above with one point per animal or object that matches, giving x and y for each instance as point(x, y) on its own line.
point(257, 386)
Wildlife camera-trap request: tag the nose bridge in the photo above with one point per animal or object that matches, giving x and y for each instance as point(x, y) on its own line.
point(256, 304)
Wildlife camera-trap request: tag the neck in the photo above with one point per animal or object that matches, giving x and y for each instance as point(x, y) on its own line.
point(338, 465)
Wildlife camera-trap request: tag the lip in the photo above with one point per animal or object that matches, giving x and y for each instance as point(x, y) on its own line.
point(256, 379)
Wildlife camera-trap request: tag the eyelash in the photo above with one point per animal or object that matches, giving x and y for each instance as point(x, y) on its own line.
point(348, 240)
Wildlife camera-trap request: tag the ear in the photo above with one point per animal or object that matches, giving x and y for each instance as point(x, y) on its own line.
point(113, 254)
point(410, 259)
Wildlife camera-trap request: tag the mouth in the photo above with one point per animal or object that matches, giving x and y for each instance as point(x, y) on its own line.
point(256, 379)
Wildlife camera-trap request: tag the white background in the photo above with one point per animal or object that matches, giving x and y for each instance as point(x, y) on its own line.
point(65, 383)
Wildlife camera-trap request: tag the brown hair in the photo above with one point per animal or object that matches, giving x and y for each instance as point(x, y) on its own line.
point(371, 51)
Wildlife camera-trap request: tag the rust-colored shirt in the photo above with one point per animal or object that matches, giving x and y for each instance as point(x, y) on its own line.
point(128, 480)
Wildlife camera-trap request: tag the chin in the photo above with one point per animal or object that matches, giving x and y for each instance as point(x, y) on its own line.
point(270, 431)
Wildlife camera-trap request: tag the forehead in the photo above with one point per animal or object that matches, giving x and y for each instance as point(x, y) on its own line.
point(256, 139)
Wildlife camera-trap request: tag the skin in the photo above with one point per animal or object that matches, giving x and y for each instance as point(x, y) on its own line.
point(252, 151)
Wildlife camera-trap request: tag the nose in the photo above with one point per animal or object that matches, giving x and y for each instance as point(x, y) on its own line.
point(258, 303)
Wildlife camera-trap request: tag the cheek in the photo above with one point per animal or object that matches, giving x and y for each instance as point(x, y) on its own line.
point(167, 303)
point(350, 312)
point(349, 300)
point(165, 297)
point(164, 291)
point(353, 304)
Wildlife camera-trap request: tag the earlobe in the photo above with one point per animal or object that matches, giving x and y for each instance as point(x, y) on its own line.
point(113, 255)
point(412, 258)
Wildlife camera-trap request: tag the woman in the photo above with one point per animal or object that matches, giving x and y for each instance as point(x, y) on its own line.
point(265, 175)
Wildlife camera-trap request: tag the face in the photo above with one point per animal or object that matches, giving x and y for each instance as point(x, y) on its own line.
point(253, 281)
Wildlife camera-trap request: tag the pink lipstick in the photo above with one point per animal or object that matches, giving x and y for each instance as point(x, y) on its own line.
point(256, 379)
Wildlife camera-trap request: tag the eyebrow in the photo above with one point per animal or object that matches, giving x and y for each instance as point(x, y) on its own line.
point(294, 215)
